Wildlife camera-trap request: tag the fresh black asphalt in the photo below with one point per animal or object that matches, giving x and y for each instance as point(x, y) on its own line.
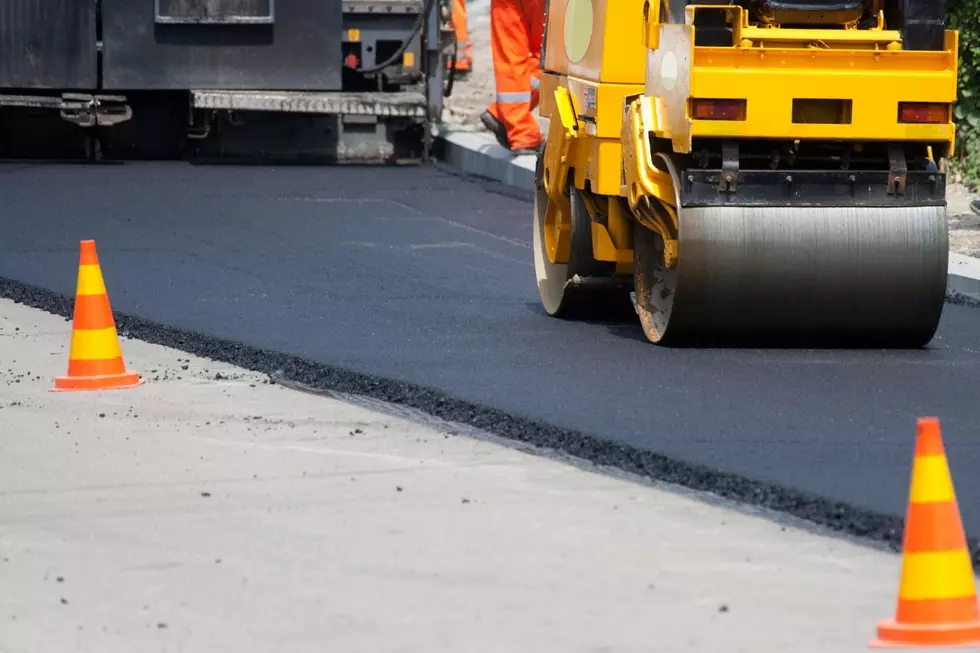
point(426, 279)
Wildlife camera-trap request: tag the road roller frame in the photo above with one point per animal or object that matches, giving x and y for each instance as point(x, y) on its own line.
point(732, 175)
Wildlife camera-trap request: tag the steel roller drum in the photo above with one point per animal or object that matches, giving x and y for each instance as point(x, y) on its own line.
point(852, 275)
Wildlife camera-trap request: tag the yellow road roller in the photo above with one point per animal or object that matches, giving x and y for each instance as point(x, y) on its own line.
point(747, 168)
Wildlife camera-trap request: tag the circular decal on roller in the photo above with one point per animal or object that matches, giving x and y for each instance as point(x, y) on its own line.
point(668, 71)
point(578, 29)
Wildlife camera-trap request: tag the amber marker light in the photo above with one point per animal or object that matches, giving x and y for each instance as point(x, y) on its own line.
point(718, 109)
point(923, 112)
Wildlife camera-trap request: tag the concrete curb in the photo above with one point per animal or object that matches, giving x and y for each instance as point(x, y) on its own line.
point(477, 153)
point(964, 275)
point(473, 154)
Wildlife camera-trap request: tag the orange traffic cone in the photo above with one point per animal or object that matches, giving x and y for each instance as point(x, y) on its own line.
point(95, 361)
point(937, 599)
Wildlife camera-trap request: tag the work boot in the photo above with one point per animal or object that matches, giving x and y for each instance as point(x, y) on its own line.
point(496, 128)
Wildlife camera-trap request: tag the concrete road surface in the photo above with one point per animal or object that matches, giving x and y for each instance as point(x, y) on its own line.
point(210, 511)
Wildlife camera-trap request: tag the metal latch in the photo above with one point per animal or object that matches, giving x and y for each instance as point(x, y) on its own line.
point(897, 170)
point(728, 181)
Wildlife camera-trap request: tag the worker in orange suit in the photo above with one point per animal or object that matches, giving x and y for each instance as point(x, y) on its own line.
point(464, 48)
point(516, 31)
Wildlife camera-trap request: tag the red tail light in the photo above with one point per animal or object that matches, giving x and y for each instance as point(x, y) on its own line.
point(718, 109)
point(923, 112)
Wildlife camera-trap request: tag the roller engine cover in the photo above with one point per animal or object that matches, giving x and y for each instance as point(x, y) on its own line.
point(923, 24)
point(806, 12)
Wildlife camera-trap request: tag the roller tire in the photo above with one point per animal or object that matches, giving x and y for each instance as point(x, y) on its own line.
point(655, 286)
point(566, 300)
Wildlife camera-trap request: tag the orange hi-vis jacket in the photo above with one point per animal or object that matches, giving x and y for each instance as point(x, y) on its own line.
point(464, 48)
point(516, 31)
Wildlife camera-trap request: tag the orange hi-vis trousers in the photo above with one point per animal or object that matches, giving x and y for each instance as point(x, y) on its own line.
point(516, 31)
point(464, 48)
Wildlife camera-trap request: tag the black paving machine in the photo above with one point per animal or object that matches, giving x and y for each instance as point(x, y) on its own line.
point(342, 80)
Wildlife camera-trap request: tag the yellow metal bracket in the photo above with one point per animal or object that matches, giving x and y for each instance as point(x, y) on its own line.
point(611, 240)
point(747, 34)
point(651, 23)
point(648, 189)
point(557, 154)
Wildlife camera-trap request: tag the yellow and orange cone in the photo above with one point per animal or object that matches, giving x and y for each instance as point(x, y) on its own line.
point(96, 360)
point(937, 598)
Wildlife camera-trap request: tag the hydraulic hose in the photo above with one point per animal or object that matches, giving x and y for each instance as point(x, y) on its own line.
point(419, 25)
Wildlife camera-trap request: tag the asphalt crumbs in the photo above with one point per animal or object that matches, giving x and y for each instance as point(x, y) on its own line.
point(417, 286)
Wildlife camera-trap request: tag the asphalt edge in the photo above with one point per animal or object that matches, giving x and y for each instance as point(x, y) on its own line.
point(833, 517)
point(427, 420)
point(473, 154)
